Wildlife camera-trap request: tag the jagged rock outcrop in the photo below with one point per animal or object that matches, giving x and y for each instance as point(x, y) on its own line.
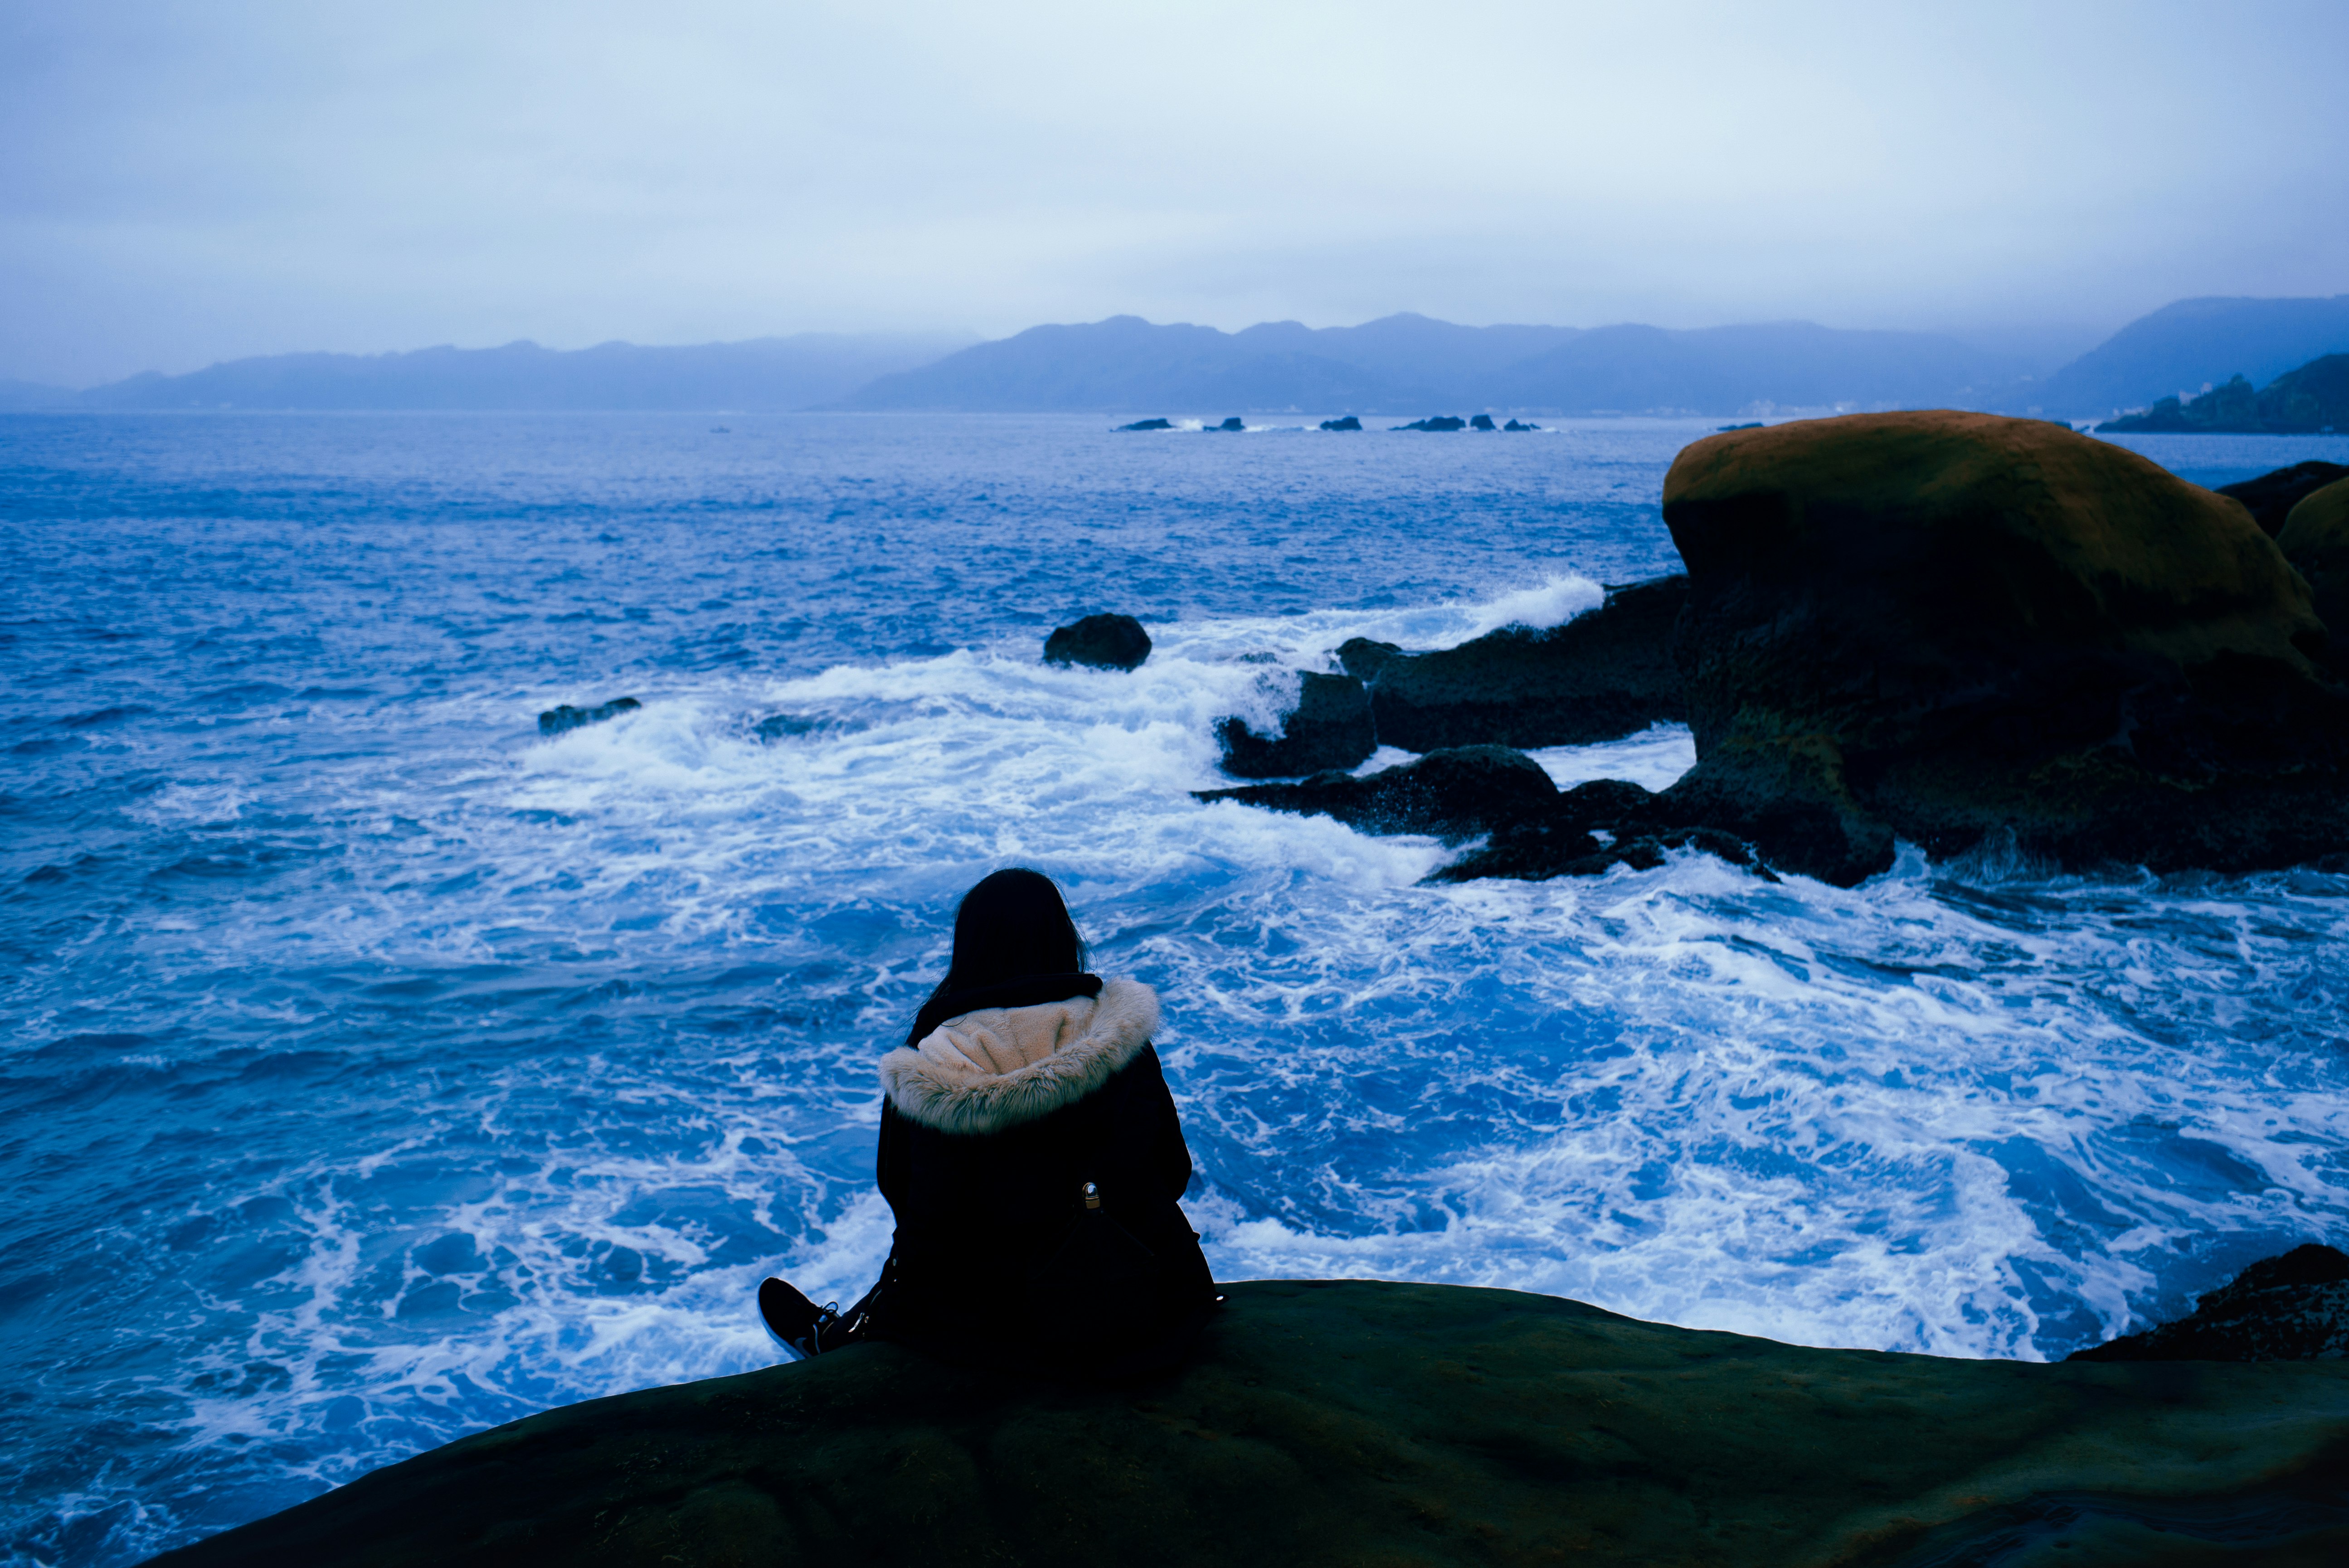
point(1348, 423)
point(1482, 422)
point(1435, 422)
point(1532, 830)
point(1329, 728)
point(2294, 1307)
point(1455, 794)
point(557, 721)
point(1351, 1422)
point(1233, 423)
point(1104, 642)
point(1942, 625)
point(2270, 497)
point(1605, 674)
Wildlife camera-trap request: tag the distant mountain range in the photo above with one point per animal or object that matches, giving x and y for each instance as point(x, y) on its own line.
point(1413, 364)
point(1406, 365)
point(763, 374)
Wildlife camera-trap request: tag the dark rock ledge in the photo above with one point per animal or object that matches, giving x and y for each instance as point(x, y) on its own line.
point(2294, 1307)
point(1355, 1422)
point(1533, 829)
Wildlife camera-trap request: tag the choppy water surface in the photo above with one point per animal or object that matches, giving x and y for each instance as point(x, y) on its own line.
point(375, 1070)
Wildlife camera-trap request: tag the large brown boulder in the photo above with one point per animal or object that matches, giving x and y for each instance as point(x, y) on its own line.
point(1351, 1423)
point(2315, 539)
point(1941, 626)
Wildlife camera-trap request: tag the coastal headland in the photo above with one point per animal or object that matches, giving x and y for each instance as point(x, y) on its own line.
point(1359, 1422)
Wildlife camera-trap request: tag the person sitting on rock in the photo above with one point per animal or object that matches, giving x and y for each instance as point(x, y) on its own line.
point(1032, 1156)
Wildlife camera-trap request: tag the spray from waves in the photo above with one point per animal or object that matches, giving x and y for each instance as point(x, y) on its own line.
point(584, 1031)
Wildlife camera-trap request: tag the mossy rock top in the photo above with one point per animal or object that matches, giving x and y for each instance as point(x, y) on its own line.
point(1364, 1423)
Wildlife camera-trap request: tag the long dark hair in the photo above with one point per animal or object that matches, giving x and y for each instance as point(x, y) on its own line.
point(1013, 927)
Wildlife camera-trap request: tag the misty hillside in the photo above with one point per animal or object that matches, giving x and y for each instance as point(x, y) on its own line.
point(2194, 343)
point(1413, 364)
point(768, 373)
point(1400, 364)
point(18, 396)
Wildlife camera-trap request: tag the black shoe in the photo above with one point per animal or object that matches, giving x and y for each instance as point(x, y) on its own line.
point(797, 1324)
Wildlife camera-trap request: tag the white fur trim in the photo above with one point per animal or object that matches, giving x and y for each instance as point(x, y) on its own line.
point(1000, 1067)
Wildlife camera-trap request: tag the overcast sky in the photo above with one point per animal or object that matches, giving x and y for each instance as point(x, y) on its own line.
point(186, 183)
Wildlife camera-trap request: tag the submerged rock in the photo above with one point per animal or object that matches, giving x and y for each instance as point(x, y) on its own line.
point(1329, 728)
point(1439, 422)
point(1330, 1423)
point(1348, 423)
point(1149, 424)
point(1603, 675)
point(791, 725)
point(2294, 1307)
point(1943, 626)
point(2270, 497)
point(1455, 794)
point(555, 720)
point(1104, 642)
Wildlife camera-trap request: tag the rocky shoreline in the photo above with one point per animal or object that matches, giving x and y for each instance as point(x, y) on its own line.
point(1351, 1422)
point(1951, 629)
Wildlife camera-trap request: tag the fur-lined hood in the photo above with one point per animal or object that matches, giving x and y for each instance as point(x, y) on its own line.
point(1000, 1067)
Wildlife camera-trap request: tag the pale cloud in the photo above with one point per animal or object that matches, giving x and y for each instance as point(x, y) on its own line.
point(188, 182)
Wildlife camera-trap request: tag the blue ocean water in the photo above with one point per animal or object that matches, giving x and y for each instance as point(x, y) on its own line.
point(374, 1069)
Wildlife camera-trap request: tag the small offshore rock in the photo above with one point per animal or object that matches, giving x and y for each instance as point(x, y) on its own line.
point(1455, 794)
point(555, 720)
point(2294, 1307)
point(1234, 423)
point(2271, 496)
point(1348, 423)
point(1514, 425)
point(1149, 424)
point(1103, 641)
point(1329, 728)
point(1483, 422)
point(1438, 422)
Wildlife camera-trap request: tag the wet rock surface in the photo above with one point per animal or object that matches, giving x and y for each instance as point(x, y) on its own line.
point(1455, 794)
point(1329, 728)
point(1357, 1422)
point(2294, 1307)
point(1941, 626)
point(1532, 830)
point(557, 720)
point(1605, 674)
point(1101, 642)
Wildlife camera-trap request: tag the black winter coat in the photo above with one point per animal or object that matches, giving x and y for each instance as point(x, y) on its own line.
point(991, 1132)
